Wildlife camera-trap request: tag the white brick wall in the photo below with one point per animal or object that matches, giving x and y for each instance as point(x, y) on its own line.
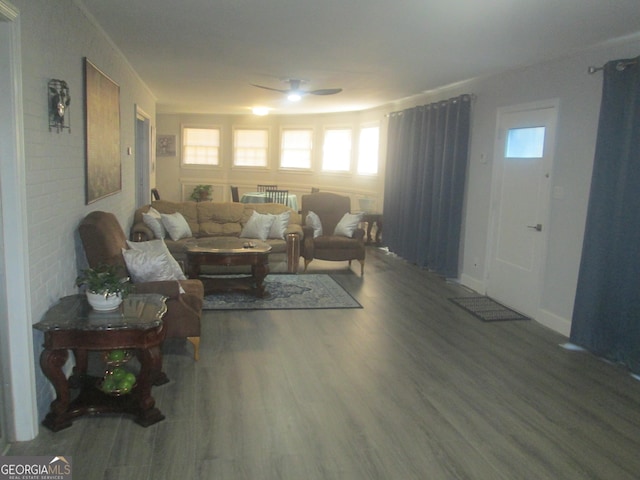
point(56, 36)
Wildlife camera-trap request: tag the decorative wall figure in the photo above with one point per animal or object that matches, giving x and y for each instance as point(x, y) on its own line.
point(59, 101)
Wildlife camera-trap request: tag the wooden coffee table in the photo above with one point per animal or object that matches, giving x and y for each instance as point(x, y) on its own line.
point(229, 251)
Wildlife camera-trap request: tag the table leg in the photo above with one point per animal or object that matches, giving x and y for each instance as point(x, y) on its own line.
point(259, 273)
point(51, 362)
point(150, 366)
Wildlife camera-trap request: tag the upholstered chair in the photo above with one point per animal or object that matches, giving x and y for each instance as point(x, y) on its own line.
point(103, 240)
point(330, 209)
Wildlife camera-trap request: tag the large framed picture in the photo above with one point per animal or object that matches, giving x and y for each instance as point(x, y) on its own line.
point(102, 115)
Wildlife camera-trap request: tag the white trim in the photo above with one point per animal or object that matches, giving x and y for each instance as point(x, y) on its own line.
point(17, 344)
point(554, 322)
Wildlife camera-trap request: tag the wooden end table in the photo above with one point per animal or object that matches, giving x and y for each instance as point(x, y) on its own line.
point(229, 251)
point(72, 324)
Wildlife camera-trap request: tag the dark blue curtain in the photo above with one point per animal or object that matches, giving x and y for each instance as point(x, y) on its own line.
point(606, 315)
point(424, 183)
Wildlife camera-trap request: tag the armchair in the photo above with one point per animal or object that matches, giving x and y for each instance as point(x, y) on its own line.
point(103, 240)
point(330, 209)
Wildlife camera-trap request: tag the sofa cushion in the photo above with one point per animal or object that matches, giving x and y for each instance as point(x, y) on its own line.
point(176, 225)
point(258, 226)
point(314, 222)
point(158, 248)
point(153, 220)
point(189, 211)
point(279, 226)
point(348, 224)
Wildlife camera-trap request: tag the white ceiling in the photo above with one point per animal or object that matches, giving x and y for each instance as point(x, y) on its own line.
point(200, 56)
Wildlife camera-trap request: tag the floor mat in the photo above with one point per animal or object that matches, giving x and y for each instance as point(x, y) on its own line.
point(487, 309)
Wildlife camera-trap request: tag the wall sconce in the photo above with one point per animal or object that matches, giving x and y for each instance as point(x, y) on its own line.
point(59, 101)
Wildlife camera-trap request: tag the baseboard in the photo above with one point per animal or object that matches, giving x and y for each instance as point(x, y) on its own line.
point(472, 283)
point(554, 322)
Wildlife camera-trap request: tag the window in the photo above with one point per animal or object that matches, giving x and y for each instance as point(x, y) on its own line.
point(525, 142)
point(336, 150)
point(296, 147)
point(250, 148)
point(200, 146)
point(368, 150)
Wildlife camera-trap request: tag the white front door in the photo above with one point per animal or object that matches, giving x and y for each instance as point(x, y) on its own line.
point(521, 189)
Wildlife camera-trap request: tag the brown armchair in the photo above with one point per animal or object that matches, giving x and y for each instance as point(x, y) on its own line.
point(330, 208)
point(103, 240)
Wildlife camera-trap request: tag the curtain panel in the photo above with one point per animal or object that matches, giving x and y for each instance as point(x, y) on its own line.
point(427, 154)
point(606, 315)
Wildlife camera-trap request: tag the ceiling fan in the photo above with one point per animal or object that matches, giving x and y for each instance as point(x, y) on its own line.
point(295, 93)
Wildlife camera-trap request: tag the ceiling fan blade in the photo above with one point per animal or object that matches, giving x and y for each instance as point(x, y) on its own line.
point(325, 91)
point(269, 88)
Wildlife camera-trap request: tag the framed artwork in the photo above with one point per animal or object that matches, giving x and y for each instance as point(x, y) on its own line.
point(102, 116)
point(166, 146)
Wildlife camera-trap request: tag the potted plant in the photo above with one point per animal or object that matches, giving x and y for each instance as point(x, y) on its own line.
point(201, 193)
point(105, 288)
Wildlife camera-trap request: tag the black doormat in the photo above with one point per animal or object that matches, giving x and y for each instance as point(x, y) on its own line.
point(487, 310)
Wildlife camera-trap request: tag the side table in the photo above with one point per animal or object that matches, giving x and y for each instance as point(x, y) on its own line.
point(72, 324)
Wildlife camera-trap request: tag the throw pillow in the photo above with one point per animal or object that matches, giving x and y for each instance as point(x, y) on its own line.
point(153, 220)
point(313, 221)
point(147, 267)
point(157, 248)
point(177, 227)
point(258, 226)
point(280, 224)
point(348, 224)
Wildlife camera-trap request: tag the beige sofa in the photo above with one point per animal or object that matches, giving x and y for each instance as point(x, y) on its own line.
point(210, 219)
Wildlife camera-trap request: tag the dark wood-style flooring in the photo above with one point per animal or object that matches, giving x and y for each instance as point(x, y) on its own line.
point(409, 387)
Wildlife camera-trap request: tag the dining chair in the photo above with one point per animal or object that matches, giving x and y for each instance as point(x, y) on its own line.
point(235, 196)
point(266, 188)
point(278, 196)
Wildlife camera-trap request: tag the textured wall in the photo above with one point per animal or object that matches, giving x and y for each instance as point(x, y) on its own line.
point(56, 36)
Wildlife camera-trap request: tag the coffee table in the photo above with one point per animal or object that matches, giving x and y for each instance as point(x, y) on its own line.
point(229, 251)
point(71, 324)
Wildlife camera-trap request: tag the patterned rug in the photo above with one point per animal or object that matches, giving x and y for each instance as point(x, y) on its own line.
point(487, 310)
point(287, 292)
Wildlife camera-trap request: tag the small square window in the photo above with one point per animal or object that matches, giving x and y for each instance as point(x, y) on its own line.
point(525, 142)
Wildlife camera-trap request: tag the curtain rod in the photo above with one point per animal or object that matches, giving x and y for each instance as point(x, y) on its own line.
point(472, 97)
point(620, 66)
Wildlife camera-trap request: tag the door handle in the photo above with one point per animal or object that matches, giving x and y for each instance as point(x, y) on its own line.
point(537, 227)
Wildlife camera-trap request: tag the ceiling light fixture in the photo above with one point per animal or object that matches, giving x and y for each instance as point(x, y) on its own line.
point(260, 111)
point(294, 97)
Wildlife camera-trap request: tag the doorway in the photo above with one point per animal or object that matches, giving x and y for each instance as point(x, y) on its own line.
point(143, 158)
point(521, 182)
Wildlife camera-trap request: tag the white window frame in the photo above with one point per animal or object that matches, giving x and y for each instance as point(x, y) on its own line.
point(311, 148)
point(183, 146)
point(359, 152)
point(350, 155)
point(267, 149)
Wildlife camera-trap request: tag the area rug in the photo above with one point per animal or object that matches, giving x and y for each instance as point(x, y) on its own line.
point(287, 292)
point(487, 309)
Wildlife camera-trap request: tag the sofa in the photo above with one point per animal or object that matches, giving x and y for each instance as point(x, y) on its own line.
point(210, 219)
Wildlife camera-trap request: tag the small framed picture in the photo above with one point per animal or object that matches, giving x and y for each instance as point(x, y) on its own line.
point(166, 146)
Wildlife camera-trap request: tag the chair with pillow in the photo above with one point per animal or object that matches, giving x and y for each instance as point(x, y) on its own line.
point(331, 232)
point(151, 268)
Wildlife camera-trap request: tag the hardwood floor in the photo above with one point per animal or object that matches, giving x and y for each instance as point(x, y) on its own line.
point(409, 387)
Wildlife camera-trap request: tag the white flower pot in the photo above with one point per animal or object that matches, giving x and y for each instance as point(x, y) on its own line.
point(102, 303)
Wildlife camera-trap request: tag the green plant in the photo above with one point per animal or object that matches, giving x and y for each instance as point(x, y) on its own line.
point(104, 279)
point(201, 191)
